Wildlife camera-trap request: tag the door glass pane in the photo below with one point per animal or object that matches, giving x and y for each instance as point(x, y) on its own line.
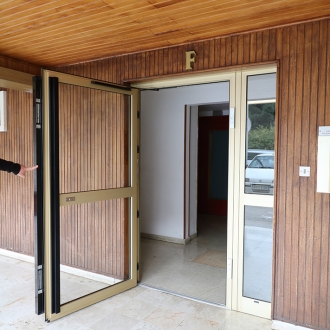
point(93, 139)
point(258, 243)
point(94, 240)
point(260, 134)
point(94, 156)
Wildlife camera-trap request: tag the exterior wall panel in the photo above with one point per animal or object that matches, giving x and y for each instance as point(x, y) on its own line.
point(16, 194)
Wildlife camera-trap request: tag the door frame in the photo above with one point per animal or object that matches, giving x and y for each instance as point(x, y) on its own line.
point(235, 158)
point(204, 78)
point(127, 192)
point(244, 304)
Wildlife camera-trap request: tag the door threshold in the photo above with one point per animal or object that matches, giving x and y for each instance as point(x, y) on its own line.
point(182, 295)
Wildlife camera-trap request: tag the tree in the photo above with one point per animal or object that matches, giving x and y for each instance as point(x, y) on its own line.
point(261, 114)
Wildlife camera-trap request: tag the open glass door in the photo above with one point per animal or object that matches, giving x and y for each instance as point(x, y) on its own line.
point(255, 227)
point(90, 159)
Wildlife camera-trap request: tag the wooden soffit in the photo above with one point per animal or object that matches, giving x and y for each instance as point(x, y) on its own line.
point(55, 33)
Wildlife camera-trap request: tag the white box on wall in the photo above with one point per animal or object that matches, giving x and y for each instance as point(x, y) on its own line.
point(323, 160)
point(3, 112)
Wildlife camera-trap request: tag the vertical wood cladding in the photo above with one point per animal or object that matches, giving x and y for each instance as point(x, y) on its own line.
point(302, 262)
point(93, 152)
point(16, 194)
point(19, 66)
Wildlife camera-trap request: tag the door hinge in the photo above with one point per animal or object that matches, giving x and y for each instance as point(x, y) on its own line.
point(138, 266)
point(138, 214)
point(138, 114)
point(138, 149)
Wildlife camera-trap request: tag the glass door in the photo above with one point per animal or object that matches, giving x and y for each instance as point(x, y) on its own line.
point(256, 202)
point(90, 159)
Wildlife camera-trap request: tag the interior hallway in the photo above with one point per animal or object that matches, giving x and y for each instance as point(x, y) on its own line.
point(137, 309)
point(197, 269)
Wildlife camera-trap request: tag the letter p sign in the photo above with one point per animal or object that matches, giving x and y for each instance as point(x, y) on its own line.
point(190, 58)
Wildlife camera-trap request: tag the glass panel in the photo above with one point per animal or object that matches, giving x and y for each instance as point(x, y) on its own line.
point(260, 135)
point(261, 87)
point(95, 245)
point(258, 243)
point(93, 139)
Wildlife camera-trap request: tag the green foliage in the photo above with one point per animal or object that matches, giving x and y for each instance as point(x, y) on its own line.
point(262, 137)
point(262, 130)
point(262, 114)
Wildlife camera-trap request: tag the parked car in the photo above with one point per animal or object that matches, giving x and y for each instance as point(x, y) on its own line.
point(251, 153)
point(259, 175)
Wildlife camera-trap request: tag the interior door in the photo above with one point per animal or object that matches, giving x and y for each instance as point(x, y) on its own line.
point(256, 186)
point(213, 163)
point(90, 217)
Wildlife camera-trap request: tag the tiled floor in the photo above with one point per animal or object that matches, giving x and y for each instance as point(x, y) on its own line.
point(171, 266)
point(137, 309)
point(167, 266)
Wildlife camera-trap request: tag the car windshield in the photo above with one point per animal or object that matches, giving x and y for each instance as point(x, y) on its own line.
point(262, 161)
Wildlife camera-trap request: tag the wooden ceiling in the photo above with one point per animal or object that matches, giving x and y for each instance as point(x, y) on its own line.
point(55, 33)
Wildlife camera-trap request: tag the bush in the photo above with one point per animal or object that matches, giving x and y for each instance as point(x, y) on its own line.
point(262, 137)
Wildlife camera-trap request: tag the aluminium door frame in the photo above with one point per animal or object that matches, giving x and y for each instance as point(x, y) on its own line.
point(204, 78)
point(244, 304)
point(127, 192)
point(235, 175)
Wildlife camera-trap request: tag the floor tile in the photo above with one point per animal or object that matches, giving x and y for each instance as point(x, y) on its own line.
point(197, 323)
point(115, 321)
point(166, 318)
point(171, 267)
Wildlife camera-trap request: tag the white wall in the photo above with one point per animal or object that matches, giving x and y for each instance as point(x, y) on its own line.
point(162, 154)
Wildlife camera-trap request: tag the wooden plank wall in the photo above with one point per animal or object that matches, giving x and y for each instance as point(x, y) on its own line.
point(302, 264)
point(16, 194)
point(10, 63)
point(93, 147)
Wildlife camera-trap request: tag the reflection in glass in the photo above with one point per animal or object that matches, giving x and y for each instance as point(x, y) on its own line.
point(94, 243)
point(260, 134)
point(259, 175)
point(258, 243)
point(93, 139)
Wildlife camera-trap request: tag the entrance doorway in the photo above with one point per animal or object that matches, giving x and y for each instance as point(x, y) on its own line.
point(183, 245)
point(168, 206)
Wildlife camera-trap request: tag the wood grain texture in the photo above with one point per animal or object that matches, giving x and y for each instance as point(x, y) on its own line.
point(16, 194)
point(94, 155)
point(55, 33)
point(301, 265)
point(10, 63)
